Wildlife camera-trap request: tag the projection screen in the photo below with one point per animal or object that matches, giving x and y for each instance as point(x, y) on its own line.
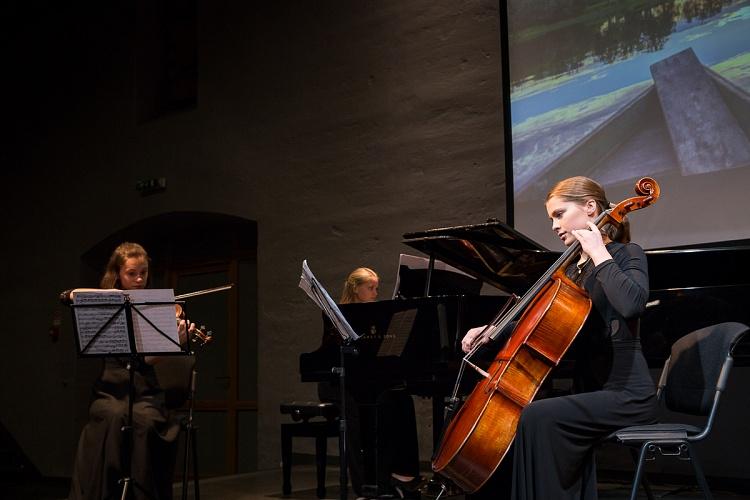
point(616, 90)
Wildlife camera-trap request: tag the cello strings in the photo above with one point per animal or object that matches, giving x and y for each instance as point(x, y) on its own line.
point(501, 320)
point(529, 296)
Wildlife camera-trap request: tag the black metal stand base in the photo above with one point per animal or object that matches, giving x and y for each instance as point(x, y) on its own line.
point(346, 349)
point(127, 438)
point(191, 444)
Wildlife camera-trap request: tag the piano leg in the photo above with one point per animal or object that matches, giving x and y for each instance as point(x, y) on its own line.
point(321, 452)
point(286, 458)
point(438, 418)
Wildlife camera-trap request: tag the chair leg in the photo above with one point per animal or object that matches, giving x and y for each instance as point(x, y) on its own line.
point(186, 461)
point(639, 471)
point(644, 480)
point(286, 459)
point(321, 452)
point(699, 475)
point(195, 464)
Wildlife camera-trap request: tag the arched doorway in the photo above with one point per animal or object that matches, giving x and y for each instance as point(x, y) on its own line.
point(193, 251)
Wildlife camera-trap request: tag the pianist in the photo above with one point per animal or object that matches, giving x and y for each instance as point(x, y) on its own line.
point(398, 447)
point(360, 286)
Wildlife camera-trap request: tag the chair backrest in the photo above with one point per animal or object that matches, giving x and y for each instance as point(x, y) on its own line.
point(174, 375)
point(695, 367)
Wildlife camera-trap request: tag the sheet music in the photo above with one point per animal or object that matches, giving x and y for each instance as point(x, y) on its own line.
point(163, 338)
point(398, 333)
point(310, 284)
point(416, 262)
point(114, 338)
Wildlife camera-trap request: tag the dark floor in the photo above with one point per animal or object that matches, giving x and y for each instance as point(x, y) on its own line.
point(267, 485)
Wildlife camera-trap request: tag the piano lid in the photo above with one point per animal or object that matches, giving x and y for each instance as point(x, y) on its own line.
point(493, 252)
point(507, 259)
point(698, 266)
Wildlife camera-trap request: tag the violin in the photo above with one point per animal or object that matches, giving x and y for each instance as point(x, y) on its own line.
point(199, 336)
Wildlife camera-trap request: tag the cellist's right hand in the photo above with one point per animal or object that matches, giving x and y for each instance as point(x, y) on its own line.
point(473, 338)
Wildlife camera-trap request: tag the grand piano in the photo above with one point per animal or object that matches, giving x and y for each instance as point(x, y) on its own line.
point(690, 287)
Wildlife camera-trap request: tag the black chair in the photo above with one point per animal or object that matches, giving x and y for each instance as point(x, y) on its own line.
point(693, 378)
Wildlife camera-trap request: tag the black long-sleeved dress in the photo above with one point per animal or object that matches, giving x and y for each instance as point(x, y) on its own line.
point(554, 445)
point(99, 460)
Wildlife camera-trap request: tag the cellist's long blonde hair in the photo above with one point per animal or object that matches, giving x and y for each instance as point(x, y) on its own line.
point(357, 277)
point(581, 189)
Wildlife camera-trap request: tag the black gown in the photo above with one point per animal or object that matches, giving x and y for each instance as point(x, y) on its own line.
point(553, 452)
point(98, 465)
point(381, 421)
point(391, 416)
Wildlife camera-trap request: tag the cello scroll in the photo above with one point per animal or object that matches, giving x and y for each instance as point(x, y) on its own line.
point(648, 191)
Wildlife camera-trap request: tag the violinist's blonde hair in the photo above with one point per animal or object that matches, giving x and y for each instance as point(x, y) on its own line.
point(581, 189)
point(122, 253)
point(357, 277)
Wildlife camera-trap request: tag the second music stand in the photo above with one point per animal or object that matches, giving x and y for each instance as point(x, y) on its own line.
point(106, 326)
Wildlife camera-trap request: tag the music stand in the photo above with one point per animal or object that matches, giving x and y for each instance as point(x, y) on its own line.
point(310, 284)
point(106, 326)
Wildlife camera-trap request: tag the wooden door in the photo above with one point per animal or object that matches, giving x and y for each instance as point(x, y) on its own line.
point(225, 407)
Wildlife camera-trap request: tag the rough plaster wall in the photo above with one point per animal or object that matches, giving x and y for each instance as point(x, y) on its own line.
point(337, 126)
point(402, 131)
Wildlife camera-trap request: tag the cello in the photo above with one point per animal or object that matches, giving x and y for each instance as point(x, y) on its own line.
point(549, 317)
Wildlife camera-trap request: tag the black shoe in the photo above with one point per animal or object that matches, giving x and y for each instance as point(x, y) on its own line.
point(439, 486)
point(407, 489)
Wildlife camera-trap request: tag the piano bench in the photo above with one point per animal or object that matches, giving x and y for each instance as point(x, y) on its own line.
point(321, 430)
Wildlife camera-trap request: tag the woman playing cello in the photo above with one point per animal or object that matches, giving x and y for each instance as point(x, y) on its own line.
point(553, 450)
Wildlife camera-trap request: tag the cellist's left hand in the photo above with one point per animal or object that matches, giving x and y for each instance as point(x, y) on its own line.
point(592, 243)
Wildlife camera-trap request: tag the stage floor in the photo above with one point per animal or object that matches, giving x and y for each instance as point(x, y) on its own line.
point(267, 485)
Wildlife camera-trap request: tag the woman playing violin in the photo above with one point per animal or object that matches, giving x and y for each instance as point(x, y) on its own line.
point(98, 467)
point(553, 451)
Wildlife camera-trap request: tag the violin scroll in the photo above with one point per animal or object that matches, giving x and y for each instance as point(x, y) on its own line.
point(201, 336)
